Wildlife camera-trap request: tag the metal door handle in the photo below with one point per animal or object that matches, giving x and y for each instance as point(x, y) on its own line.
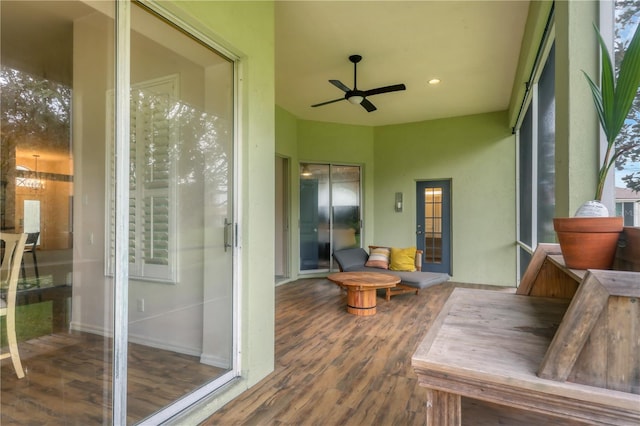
point(227, 225)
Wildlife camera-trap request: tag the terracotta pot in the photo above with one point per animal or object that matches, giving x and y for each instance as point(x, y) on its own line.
point(588, 242)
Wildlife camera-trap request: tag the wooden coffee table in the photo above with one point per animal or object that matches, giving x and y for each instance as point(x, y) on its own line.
point(361, 289)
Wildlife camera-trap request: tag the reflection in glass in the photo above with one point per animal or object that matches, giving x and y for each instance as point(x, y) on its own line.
point(58, 176)
point(179, 200)
point(345, 202)
point(314, 217)
point(329, 212)
point(627, 170)
point(38, 187)
point(546, 104)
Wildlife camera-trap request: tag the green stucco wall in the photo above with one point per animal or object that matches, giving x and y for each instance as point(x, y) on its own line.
point(478, 154)
point(577, 131)
point(246, 29)
point(286, 134)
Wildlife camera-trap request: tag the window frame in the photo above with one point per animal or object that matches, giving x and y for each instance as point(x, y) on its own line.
point(530, 105)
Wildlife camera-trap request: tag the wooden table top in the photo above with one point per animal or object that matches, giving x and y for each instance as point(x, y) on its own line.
point(371, 280)
point(489, 338)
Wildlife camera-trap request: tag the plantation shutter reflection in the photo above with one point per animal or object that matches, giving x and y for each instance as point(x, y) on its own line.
point(151, 190)
point(151, 171)
point(156, 229)
point(132, 185)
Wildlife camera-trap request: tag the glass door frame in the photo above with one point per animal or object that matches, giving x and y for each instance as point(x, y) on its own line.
point(121, 276)
point(331, 242)
point(445, 265)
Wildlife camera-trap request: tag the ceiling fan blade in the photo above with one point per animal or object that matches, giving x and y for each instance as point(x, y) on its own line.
point(386, 89)
point(328, 102)
point(368, 105)
point(339, 85)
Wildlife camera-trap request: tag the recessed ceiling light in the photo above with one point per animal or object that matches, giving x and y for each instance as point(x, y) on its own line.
point(434, 81)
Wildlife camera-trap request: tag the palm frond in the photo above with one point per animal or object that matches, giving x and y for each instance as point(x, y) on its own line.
point(613, 100)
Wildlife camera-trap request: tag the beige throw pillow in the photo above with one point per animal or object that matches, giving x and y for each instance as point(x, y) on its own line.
point(378, 258)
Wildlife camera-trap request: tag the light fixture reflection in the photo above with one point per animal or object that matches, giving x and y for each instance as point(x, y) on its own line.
point(28, 178)
point(305, 171)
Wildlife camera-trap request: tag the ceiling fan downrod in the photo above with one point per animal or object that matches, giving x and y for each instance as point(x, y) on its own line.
point(355, 96)
point(355, 59)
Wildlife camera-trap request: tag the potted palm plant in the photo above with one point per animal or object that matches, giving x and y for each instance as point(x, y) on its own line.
point(589, 240)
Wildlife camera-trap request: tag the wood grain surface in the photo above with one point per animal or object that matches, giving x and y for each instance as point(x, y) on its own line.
point(333, 368)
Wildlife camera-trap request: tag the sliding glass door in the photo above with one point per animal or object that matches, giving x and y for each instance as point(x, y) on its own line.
point(330, 213)
point(180, 215)
point(127, 173)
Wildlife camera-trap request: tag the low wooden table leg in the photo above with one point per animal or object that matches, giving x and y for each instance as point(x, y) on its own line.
point(443, 409)
point(361, 302)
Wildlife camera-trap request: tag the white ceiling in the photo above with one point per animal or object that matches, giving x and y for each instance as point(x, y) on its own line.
point(471, 46)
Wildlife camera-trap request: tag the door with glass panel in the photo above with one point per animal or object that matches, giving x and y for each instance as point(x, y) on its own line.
point(168, 183)
point(181, 213)
point(329, 213)
point(433, 224)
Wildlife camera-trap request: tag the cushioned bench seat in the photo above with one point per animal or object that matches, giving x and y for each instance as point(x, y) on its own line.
point(354, 260)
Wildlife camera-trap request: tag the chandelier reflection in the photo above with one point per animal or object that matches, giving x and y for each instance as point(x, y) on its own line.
point(30, 179)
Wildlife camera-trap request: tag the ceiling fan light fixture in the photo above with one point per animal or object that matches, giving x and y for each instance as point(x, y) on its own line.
point(355, 99)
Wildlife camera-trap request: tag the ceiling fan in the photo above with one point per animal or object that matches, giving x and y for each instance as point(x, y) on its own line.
point(356, 96)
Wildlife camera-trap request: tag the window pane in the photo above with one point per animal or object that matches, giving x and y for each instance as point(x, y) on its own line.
point(314, 217)
point(546, 150)
point(433, 225)
point(181, 294)
point(526, 179)
point(345, 201)
point(51, 186)
point(57, 86)
point(627, 173)
point(525, 259)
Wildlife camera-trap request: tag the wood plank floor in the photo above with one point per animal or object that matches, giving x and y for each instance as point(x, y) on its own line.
point(68, 381)
point(333, 368)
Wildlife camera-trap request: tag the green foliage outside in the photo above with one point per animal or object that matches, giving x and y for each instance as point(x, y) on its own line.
point(32, 321)
point(627, 163)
